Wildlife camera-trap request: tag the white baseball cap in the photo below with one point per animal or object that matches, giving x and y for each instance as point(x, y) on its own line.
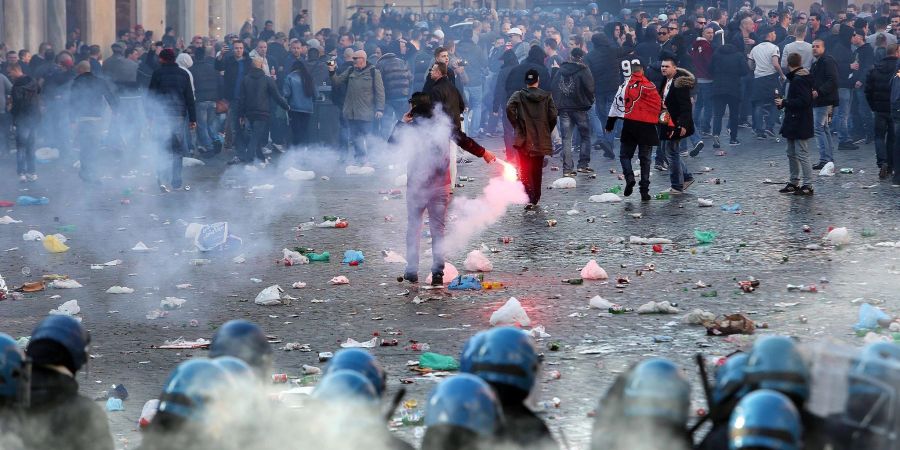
point(663, 17)
point(514, 30)
point(439, 34)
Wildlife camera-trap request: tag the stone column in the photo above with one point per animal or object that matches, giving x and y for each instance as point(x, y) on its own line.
point(151, 14)
point(237, 12)
point(14, 24)
point(217, 16)
point(35, 25)
point(280, 12)
point(56, 24)
point(196, 15)
point(320, 15)
point(101, 24)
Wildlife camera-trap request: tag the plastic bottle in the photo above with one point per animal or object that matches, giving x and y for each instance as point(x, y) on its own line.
point(419, 347)
point(573, 281)
point(662, 196)
point(321, 257)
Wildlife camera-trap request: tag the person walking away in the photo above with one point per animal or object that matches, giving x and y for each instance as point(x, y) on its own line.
point(728, 64)
point(825, 98)
point(501, 97)
point(397, 80)
point(572, 88)
point(87, 103)
point(607, 79)
point(701, 55)
point(235, 64)
point(299, 92)
point(675, 93)
point(862, 119)
point(5, 122)
point(208, 93)
point(429, 180)
point(26, 113)
point(797, 126)
point(533, 115)
point(799, 46)
point(475, 65)
point(767, 78)
point(170, 86)
point(839, 49)
point(254, 106)
point(364, 101)
point(638, 104)
point(880, 86)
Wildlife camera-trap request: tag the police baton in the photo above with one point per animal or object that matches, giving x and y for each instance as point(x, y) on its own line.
point(707, 391)
point(395, 402)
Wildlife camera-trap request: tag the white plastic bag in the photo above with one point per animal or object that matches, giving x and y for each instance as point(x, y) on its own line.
point(511, 313)
point(827, 170)
point(33, 235)
point(293, 174)
point(477, 262)
point(120, 290)
point(607, 197)
point(661, 307)
point(269, 296)
point(340, 279)
point(262, 187)
point(69, 308)
point(353, 343)
point(6, 220)
point(169, 303)
point(141, 247)
point(704, 202)
point(64, 284)
point(648, 241)
point(46, 153)
point(838, 236)
point(697, 317)
point(450, 272)
point(191, 162)
point(359, 170)
point(393, 257)
point(599, 302)
point(593, 271)
point(564, 183)
point(293, 257)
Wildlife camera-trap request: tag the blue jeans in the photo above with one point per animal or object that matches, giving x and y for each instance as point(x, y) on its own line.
point(733, 104)
point(884, 138)
point(861, 120)
point(602, 103)
point(823, 133)
point(435, 200)
point(359, 132)
point(207, 124)
point(893, 153)
point(569, 121)
point(394, 110)
point(703, 108)
point(474, 95)
point(25, 130)
point(678, 172)
point(169, 163)
point(842, 115)
point(760, 123)
point(88, 137)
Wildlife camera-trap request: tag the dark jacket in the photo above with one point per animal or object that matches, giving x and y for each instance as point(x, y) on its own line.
point(798, 106)
point(87, 97)
point(26, 102)
point(727, 68)
point(533, 116)
point(257, 93)
point(60, 418)
point(171, 85)
point(535, 60)
point(149, 63)
point(396, 76)
point(427, 167)
point(841, 55)
point(865, 56)
point(603, 63)
point(825, 81)
point(445, 94)
point(476, 66)
point(501, 96)
point(524, 429)
point(573, 87)
point(235, 70)
point(122, 72)
point(678, 103)
point(318, 69)
point(878, 84)
point(207, 81)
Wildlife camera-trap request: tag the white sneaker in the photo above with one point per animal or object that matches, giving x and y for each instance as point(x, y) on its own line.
point(672, 191)
point(32, 177)
point(23, 178)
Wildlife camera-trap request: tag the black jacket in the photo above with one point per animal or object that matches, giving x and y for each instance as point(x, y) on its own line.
point(232, 68)
point(535, 60)
point(257, 93)
point(396, 76)
point(60, 418)
point(171, 85)
point(678, 103)
point(798, 106)
point(572, 87)
point(841, 55)
point(474, 56)
point(86, 98)
point(207, 81)
point(26, 102)
point(451, 101)
point(603, 62)
point(533, 116)
point(878, 84)
point(825, 81)
point(524, 429)
point(728, 66)
point(149, 63)
point(501, 95)
point(865, 56)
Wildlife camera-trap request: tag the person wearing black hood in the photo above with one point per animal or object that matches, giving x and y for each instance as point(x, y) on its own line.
point(878, 93)
point(501, 97)
point(728, 65)
point(534, 61)
point(573, 93)
point(861, 114)
point(254, 107)
point(607, 78)
point(87, 107)
point(171, 86)
point(26, 111)
point(532, 113)
point(839, 49)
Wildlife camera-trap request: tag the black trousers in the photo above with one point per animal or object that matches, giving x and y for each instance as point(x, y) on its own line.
point(530, 173)
point(299, 124)
point(626, 153)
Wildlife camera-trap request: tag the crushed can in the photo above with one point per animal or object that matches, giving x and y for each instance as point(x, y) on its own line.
point(551, 222)
point(279, 378)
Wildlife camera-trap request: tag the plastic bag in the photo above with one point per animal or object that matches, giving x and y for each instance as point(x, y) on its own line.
point(511, 313)
point(27, 200)
point(6, 220)
point(33, 235)
point(353, 343)
point(704, 202)
point(54, 245)
point(735, 207)
point(64, 284)
point(120, 290)
point(648, 241)
point(599, 302)
point(353, 256)
point(291, 257)
point(340, 279)
point(393, 257)
point(114, 404)
point(211, 236)
point(869, 316)
point(450, 272)
point(69, 308)
point(141, 247)
point(170, 303)
point(661, 307)
point(359, 170)
point(293, 174)
point(46, 153)
point(827, 170)
point(593, 271)
point(436, 361)
point(262, 187)
point(4, 291)
point(564, 183)
point(269, 296)
point(191, 162)
point(465, 282)
point(838, 236)
point(607, 197)
point(698, 317)
point(477, 262)
point(705, 237)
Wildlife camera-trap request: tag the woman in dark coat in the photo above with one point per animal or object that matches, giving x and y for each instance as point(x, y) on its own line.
point(728, 66)
point(501, 97)
point(797, 126)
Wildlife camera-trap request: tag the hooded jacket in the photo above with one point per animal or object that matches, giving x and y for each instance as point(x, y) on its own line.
point(728, 66)
point(798, 104)
point(678, 103)
point(295, 95)
point(396, 76)
point(825, 81)
point(701, 54)
point(365, 92)
point(878, 84)
point(86, 98)
point(258, 91)
point(501, 96)
point(207, 81)
point(602, 60)
point(535, 60)
point(235, 71)
point(172, 86)
point(186, 62)
point(573, 87)
point(533, 116)
point(25, 95)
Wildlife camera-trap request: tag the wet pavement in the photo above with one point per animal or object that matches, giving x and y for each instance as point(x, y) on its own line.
point(766, 241)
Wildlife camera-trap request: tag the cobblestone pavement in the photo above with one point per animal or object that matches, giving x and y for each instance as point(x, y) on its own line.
point(766, 241)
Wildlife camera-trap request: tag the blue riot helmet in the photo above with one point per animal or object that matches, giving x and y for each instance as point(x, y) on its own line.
point(191, 388)
point(504, 357)
point(730, 379)
point(765, 419)
point(346, 386)
point(59, 340)
point(246, 341)
point(775, 363)
point(362, 362)
point(656, 389)
point(237, 369)
point(872, 410)
point(462, 411)
point(15, 373)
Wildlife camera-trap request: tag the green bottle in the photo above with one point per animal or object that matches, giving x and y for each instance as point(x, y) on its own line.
point(662, 196)
point(330, 218)
point(709, 294)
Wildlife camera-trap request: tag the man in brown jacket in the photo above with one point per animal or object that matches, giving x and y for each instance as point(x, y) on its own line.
point(533, 116)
